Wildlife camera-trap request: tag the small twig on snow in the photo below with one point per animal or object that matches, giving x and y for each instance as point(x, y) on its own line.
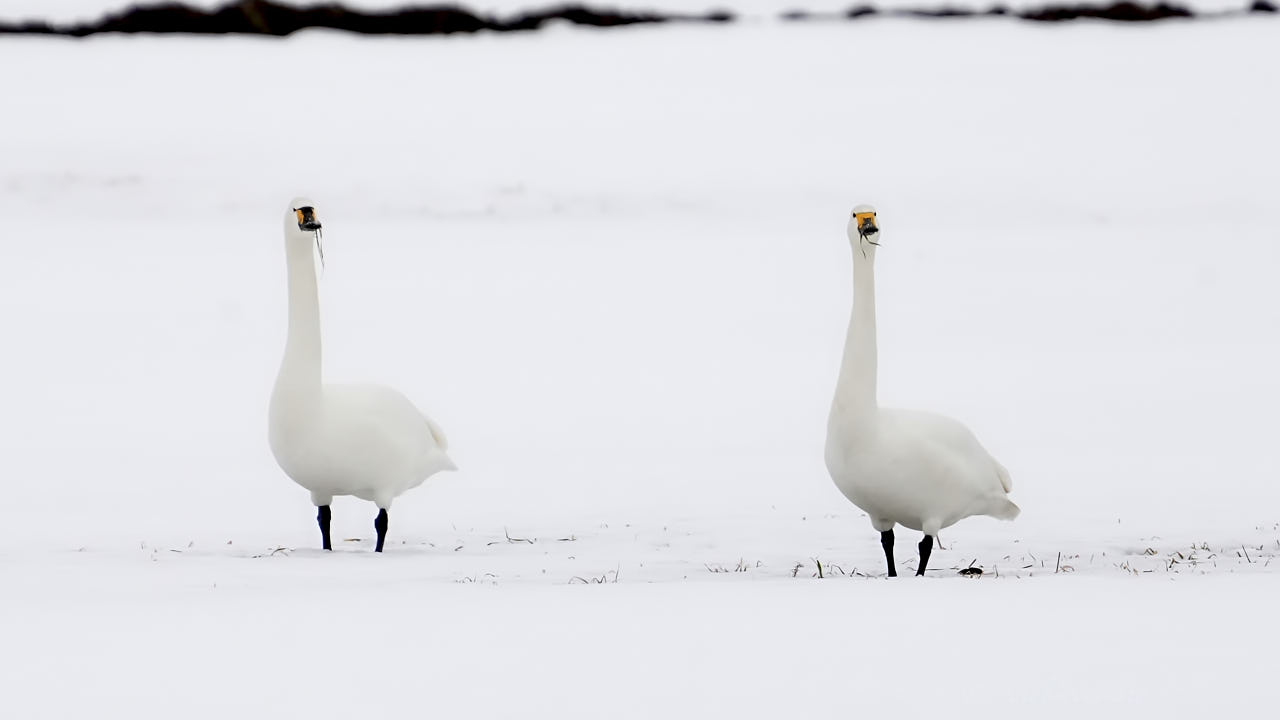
point(515, 540)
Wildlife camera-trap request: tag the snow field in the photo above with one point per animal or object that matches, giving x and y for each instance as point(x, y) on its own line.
point(612, 266)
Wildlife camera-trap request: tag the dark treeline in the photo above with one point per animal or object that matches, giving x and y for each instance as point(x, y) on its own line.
point(263, 17)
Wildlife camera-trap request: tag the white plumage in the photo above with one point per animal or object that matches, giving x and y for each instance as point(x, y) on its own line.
point(363, 440)
point(902, 467)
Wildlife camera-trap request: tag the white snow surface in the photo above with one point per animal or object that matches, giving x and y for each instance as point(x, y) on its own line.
point(613, 266)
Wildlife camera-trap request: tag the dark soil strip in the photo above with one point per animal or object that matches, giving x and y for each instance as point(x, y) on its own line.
point(263, 17)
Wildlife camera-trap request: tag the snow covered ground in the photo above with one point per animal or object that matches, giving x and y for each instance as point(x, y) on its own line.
point(612, 265)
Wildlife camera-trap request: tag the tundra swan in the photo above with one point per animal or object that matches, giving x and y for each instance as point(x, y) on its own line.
point(363, 440)
point(919, 470)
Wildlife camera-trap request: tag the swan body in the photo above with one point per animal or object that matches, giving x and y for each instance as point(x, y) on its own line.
point(917, 469)
point(902, 467)
point(368, 441)
point(363, 440)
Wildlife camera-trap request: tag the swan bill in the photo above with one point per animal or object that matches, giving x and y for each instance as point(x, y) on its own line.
point(866, 224)
point(307, 218)
point(307, 222)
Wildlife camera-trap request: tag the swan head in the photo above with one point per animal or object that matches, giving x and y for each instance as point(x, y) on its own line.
point(864, 229)
point(302, 225)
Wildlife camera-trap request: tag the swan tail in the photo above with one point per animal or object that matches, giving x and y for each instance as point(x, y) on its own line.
point(446, 462)
point(1004, 509)
point(437, 461)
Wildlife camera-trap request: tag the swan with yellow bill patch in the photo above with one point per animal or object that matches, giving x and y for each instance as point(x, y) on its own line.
point(902, 467)
point(363, 440)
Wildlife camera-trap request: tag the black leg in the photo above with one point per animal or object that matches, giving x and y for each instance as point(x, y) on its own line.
point(380, 524)
point(323, 518)
point(886, 541)
point(926, 546)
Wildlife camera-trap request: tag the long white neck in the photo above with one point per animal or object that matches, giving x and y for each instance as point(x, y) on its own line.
point(856, 388)
point(300, 370)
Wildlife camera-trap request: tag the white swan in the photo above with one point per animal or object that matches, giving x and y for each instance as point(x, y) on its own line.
point(362, 440)
point(915, 469)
